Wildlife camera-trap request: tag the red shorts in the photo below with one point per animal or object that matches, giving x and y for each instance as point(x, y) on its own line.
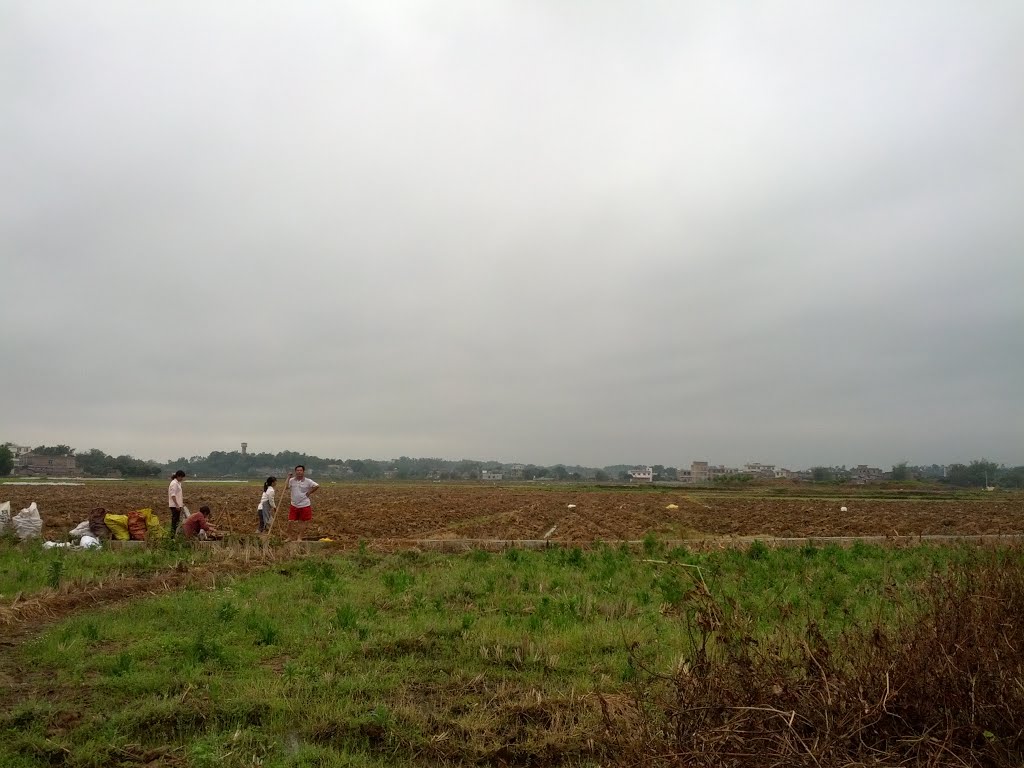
point(300, 513)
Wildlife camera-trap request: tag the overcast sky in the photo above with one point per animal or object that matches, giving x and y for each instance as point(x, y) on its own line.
point(580, 232)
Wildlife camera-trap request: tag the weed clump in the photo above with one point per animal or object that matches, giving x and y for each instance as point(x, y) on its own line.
point(91, 632)
point(54, 572)
point(264, 630)
point(397, 581)
point(227, 611)
point(939, 685)
point(122, 665)
point(651, 545)
point(205, 649)
point(345, 617)
point(757, 550)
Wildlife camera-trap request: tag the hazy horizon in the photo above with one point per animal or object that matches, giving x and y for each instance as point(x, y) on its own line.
point(538, 232)
point(678, 464)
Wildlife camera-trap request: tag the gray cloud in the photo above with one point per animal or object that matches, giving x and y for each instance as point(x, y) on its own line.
point(533, 231)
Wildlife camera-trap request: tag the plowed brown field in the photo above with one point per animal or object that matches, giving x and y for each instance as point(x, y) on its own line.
point(438, 511)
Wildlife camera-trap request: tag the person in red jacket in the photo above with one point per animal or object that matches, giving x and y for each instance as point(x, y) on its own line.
point(197, 525)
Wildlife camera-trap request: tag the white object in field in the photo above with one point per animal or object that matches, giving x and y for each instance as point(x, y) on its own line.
point(27, 523)
point(40, 482)
point(842, 509)
point(672, 506)
point(5, 516)
point(57, 544)
point(90, 542)
point(79, 530)
point(548, 534)
point(571, 506)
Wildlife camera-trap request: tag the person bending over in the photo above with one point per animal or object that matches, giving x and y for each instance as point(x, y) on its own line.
point(198, 525)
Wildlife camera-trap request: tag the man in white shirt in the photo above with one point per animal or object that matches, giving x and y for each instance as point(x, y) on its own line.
point(175, 499)
point(301, 487)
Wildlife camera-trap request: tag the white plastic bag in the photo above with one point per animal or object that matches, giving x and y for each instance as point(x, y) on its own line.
point(5, 517)
point(27, 523)
point(56, 545)
point(90, 542)
point(80, 530)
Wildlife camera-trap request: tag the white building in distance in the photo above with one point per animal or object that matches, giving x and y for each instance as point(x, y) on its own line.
point(641, 475)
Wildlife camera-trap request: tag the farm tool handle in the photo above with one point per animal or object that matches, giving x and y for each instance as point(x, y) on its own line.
point(277, 505)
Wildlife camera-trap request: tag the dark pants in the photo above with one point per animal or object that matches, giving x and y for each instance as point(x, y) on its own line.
point(175, 518)
point(263, 516)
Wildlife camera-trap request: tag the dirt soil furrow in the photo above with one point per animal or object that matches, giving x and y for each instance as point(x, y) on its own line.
point(350, 512)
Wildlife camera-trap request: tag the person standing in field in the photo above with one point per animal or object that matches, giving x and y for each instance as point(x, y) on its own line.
point(265, 511)
point(301, 487)
point(175, 499)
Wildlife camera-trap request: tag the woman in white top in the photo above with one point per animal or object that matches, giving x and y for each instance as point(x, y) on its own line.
point(265, 511)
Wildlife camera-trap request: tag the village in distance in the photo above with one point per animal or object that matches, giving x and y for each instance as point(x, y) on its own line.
point(65, 461)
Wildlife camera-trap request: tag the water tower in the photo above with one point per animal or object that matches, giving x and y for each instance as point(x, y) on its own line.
point(244, 447)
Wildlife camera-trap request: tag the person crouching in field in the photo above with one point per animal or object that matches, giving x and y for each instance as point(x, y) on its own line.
point(301, 487)
point(265, 511)
point(198, 526)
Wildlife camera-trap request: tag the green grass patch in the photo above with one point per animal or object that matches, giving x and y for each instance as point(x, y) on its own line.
point(412, 658)
point(27, 568)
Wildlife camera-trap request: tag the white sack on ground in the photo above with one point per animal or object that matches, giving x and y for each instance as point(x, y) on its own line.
point(27, 523)
point(90, 542)
point(80, 530)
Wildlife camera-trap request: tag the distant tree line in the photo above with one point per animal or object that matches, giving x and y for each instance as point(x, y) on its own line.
point(979, 473)
point(53, 450)
point(97, 463)
point(237, 464)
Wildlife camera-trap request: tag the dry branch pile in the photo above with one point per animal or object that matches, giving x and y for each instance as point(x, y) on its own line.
point(943, 686)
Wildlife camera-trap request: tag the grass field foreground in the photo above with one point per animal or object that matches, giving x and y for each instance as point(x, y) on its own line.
point(559, 657)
